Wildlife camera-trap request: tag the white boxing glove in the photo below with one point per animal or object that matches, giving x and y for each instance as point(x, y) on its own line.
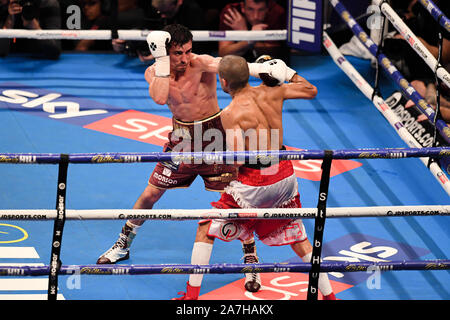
point(157, 41)
point(258, 66)
point(277, 72)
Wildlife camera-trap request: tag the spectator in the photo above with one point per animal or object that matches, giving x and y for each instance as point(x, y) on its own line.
point(412, 66)
point(93, 18)
point(423, 25)
point(185, 12)
point(130, 16)
point(409, 63)
point(428, 91)
point(212, 12)
point(32, 15)
point(253, 15)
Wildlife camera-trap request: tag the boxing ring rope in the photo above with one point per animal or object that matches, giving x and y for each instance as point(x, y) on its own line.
point(198, 35)
point(383, 108)
point(55, 268)
point(435, 264)
point(264, 157)
point(195, 214)
point(436, 13)
point(413, 41)
point(392, 71)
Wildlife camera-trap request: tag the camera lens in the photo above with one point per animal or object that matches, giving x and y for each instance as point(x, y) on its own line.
point(29, 9)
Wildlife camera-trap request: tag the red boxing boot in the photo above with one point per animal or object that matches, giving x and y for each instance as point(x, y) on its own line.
point(191, 293)
point(331, 296)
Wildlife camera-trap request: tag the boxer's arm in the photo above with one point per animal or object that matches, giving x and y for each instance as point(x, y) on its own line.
point(158, 87)
point(158, 75)
point(208, 63)
point(299, 88)
point(272, 71)
point(205, 63)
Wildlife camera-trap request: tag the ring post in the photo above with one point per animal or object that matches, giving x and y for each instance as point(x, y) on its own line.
point(55, 262)
point(319, 226)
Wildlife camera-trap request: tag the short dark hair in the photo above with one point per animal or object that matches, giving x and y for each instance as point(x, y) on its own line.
point(179, 34)
point(234, 69)
point(258, 1)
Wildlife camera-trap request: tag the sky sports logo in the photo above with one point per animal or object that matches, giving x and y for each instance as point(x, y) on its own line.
point(130, 124)
point(357, 247)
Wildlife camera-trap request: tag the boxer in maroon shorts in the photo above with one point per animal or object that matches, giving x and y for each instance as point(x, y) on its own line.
point(169, 175)
point(187, 84)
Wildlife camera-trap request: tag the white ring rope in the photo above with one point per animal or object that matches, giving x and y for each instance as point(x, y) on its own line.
point(198, 35)
point(381, 105)
point(253, 213)
point(413, 41)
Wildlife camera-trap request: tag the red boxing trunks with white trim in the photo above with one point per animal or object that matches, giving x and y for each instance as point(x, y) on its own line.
point(271, 187)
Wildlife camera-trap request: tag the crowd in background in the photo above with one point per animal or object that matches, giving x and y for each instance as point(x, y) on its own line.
point(214, 15)
point(142, 15)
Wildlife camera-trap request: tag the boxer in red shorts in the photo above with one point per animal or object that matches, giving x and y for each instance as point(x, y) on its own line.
point(253, 121)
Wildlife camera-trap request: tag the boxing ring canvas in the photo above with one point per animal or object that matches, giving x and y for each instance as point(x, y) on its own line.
point(86, 103)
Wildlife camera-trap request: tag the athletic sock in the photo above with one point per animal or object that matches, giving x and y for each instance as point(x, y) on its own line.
point(134, 227)
point(324, 283)
point(201, 253)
